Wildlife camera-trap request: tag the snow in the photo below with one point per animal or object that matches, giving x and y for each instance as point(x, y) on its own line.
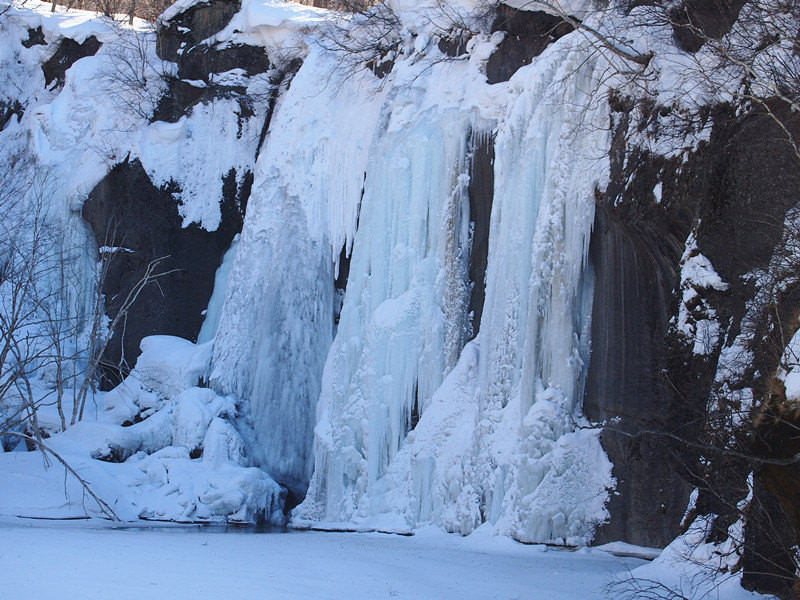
point(694, 568)
point(276, 24)
point(169, 365)
point(696, 319)
point(658, 192)
point(791, 369)
point(625, 549)
point(54, 560)
point(280, 13)
point(574, 8)
point(77, 25)
point(149, 469)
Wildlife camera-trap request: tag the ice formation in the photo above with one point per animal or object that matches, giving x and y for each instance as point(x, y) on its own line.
point(381, 169)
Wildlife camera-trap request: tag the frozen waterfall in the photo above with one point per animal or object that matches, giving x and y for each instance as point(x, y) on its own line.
point(412, 422)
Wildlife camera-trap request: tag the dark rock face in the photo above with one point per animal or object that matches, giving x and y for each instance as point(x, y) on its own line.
point(757, 185)
point(747, 214)
point(734, 192)
point(635, 250)
point(35, 38)
point(528, 33)
point(340, 283)
point(635, 276)
point(68, 52)
point(8, 109)
point(181, 96)
point(381, 67)
point(454, 45)
point(767, 567)
point(194, 25)
point(481, 196)
point(695, 21)
point(126, 210)
point(773, 516)
point(199, 62)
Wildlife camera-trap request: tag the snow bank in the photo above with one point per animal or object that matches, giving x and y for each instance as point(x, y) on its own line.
point(574, 8)
point(162, 449)
point(691, 567)
point(281, 26)
point(75, 24)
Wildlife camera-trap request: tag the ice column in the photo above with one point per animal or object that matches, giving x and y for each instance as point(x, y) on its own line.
point(277, 319)
point(551, 153)
point(404, 315)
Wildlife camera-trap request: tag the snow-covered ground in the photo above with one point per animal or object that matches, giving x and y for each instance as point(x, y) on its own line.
point(85, 561)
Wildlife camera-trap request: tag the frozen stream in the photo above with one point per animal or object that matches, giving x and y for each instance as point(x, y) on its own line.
point(78, 560)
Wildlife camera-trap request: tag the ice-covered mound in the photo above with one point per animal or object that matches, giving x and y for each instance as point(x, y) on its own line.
point(161, 448)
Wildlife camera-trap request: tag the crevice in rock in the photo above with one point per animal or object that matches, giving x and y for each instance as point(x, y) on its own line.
point(35, 38)
point(454, 44)
point(340, 284)
point(481, 196)
point(414, 415)
point(113, 453)
point(10, 109)
point(381, 66)
point(293, 500)
point(282, 80)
